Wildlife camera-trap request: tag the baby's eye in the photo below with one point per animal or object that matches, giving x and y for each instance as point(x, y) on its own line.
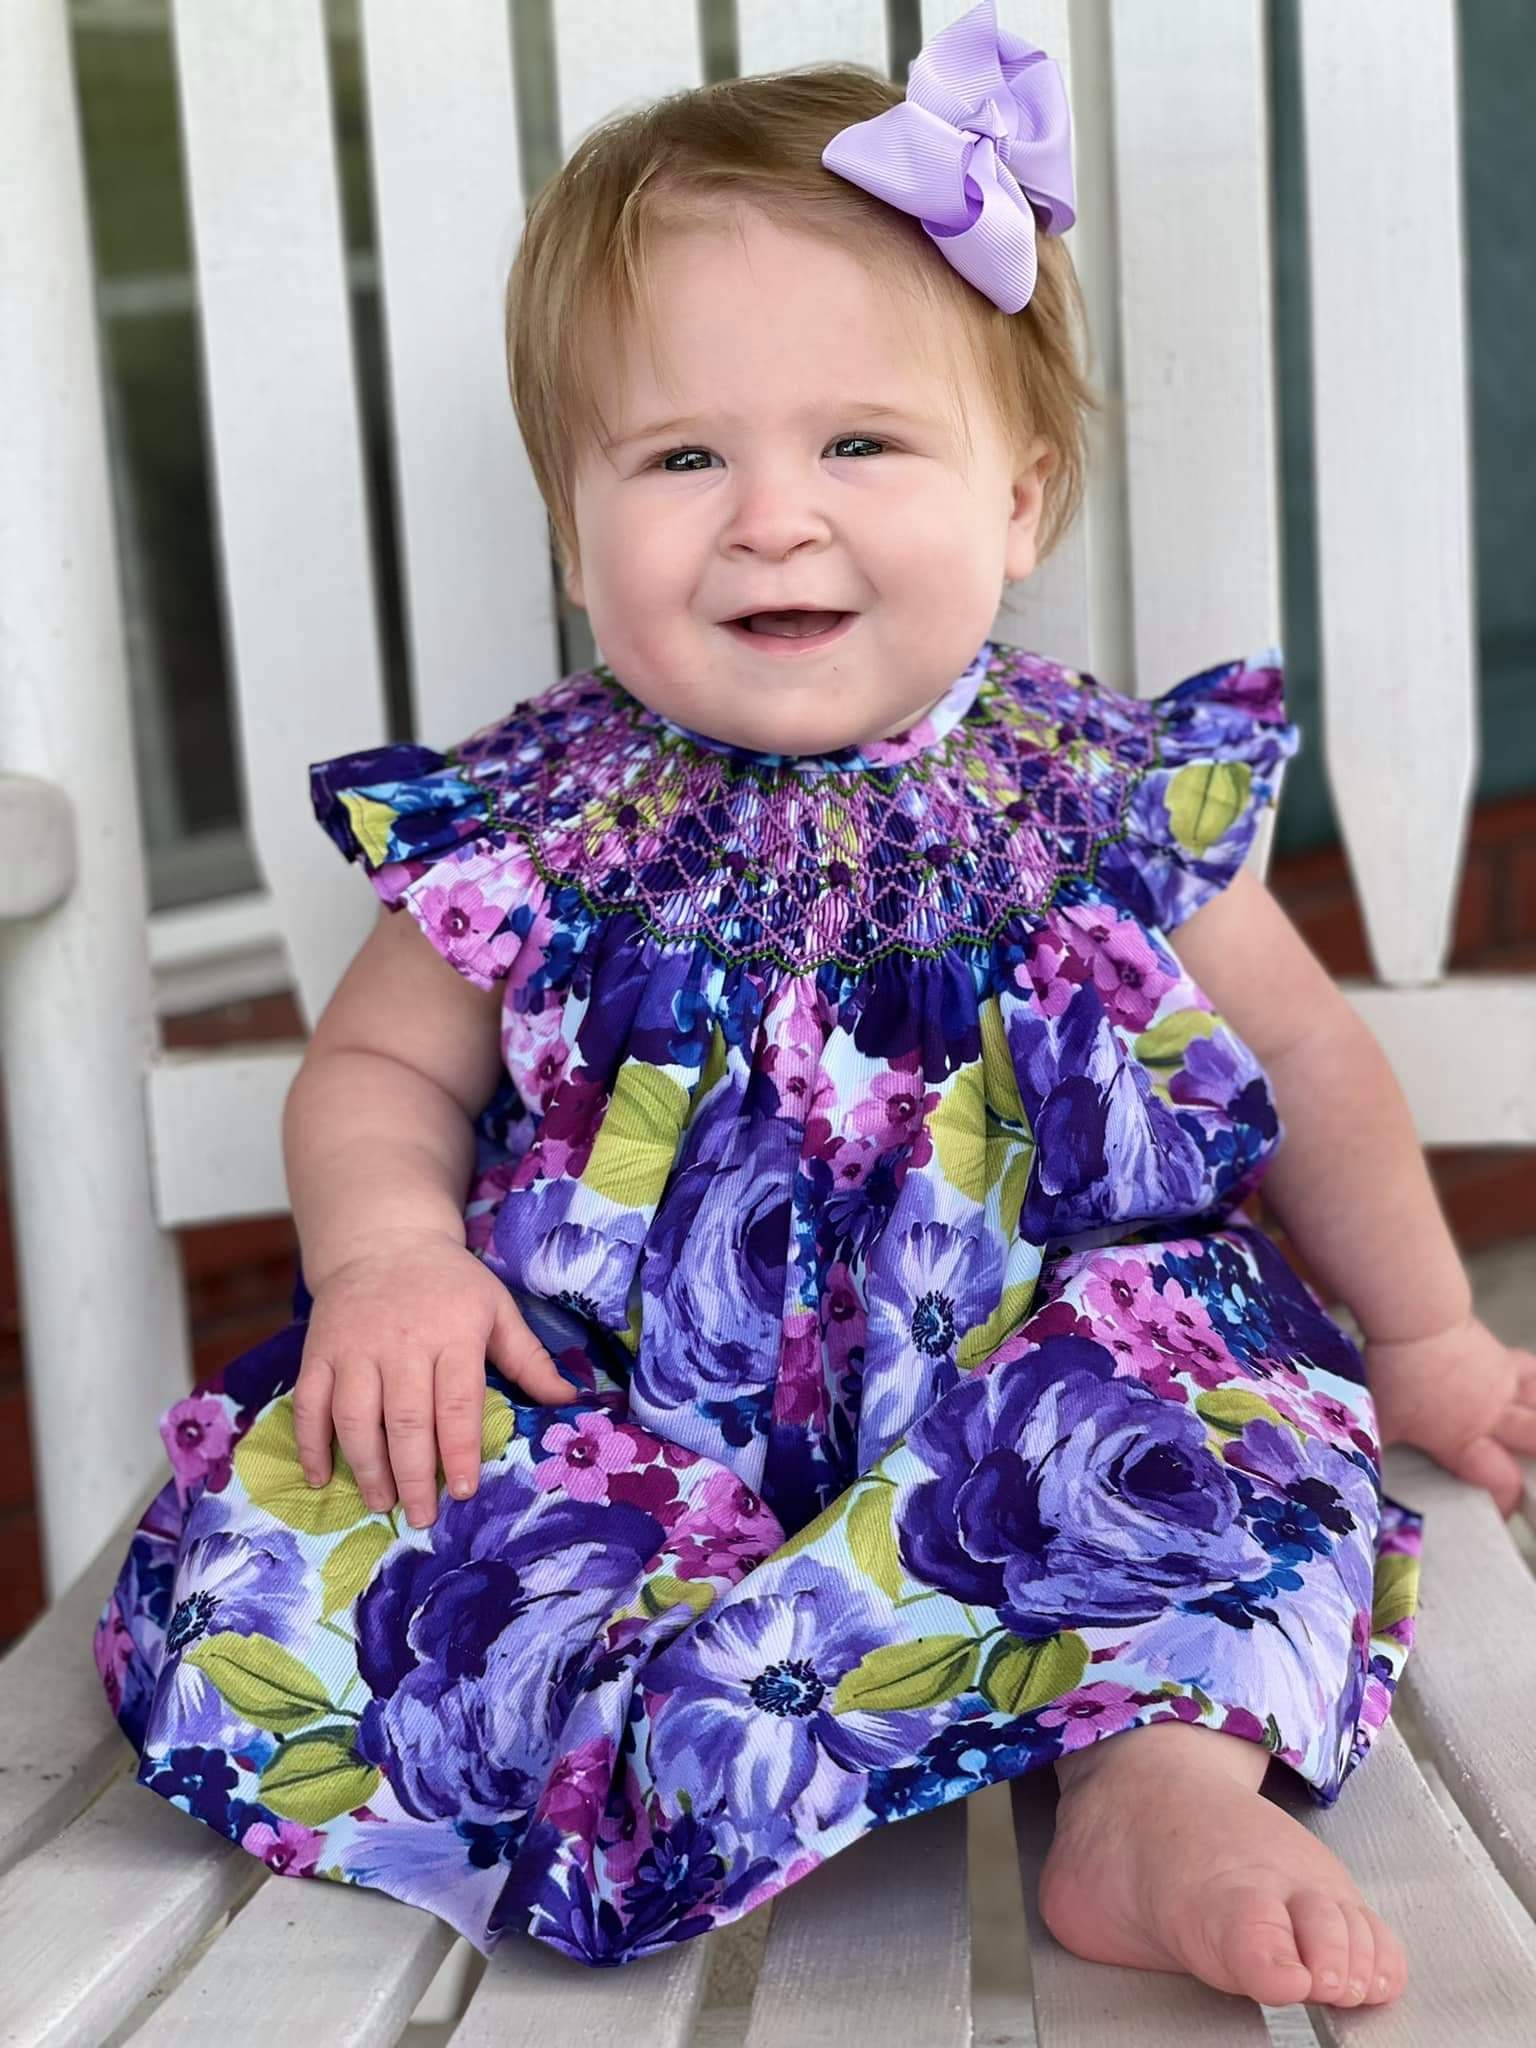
point(867, 439)
point(663, 460)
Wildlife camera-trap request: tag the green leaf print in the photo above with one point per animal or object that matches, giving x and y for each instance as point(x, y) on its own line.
point(817, 1527)
point(1227, 1409)
point(663, 1592)
point(1012, 1307)
point(350, 1565)
point(958, 1128)
point(1021, 1676)
point(636, 1147)
point(1170, 1037)
point(1204, 799)
point(263, 1682)
point(1396, 1592)
point(318, 1776)
point(921, 1673)
point(267, 1466)
point(872, 1540)
point(498, 1426)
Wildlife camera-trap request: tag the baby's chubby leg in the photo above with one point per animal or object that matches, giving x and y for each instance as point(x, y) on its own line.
point(1166, 1857)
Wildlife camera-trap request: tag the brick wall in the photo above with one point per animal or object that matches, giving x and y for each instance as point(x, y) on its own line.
point(239, 1275)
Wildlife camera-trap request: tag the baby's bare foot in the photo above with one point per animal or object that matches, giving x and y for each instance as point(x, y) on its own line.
point(1166, 1857)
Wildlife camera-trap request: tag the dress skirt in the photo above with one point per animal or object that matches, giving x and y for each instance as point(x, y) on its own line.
point(612, 1702)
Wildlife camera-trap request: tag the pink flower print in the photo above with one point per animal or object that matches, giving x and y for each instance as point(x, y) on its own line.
point(198, 1440)
point(290, 1849)
point(1130, 979)
point(625, 1837)
point(1241, 1722)
point(578, 1785)
point(536, 1053)
point(582, 1455)
point(852, 1161)
point(801, 1867)
point(112, 1647)
point(800, 1394)
point(1055, 973)
point(1180, 1326)
point(463, 924)
point(895, 1108)
point(729, 1530)
point(1103, 1708)
point(843, 1318)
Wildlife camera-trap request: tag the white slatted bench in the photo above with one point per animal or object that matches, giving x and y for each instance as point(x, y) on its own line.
point(120, 1919)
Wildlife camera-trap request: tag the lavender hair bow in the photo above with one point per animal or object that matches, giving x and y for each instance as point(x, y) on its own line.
point(979, 149)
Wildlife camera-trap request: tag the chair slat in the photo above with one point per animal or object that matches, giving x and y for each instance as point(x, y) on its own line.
point(1472, 1973)
point(1083, 2005)
point(1191, 125)
point(480, 600)
point(1489, 1100)
point(91, 1923)
point(898, 1894)
point(282, 407)
point(531, 1995)
point(773, 34)
point(1389, 376)
point(61, 1742)
point(611, 54)
point(336, 1963)
point(1472, 1670)
point(216, 1126)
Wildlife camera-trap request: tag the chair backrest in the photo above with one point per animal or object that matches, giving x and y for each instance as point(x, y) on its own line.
point(1175, 563)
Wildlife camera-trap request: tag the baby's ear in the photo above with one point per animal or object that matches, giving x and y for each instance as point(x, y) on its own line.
point(1028, 506)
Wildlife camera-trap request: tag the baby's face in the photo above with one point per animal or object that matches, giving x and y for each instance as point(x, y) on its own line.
point(817, 465)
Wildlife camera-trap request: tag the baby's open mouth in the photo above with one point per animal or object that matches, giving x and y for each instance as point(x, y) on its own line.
point(788, 625)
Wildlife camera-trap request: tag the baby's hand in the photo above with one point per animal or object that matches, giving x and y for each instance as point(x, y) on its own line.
point(404, 1331)
point(1463, 1396)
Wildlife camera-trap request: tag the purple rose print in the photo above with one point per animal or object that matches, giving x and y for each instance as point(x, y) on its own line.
point(465, 1642)
point(1065, 1497)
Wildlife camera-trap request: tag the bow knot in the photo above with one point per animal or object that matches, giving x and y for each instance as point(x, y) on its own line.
point(980, 150)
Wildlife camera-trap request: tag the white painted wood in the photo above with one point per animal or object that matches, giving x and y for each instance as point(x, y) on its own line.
point(335, 1963)
point(772, 35)
point(1488, 1099)
point(531, 1995)
point(1392, 461)
point(1472, 1972)
point(209, 953)
point(216, 1126)
point(611, 55)
point(897, 1894)
point(37, 846)
point(89, 1924)
point(1472, 1669)
point(282, 405)
point(61, 1743)
point(480, 595)
point(1192, 189)
point(103, 1355)
point(1088, 2005)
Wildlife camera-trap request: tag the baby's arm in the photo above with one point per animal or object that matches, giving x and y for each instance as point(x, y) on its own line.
point(379, 1144)
point(1352, 1189)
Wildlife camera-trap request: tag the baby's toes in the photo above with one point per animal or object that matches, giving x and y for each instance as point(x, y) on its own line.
point(1326, 1939)
point(1255, 1949)
point(1387, 1972)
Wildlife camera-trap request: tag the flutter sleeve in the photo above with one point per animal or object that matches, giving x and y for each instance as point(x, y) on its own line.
point(1218, 742)
point(437, 836)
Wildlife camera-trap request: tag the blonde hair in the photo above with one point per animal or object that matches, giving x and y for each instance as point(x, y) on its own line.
point(582, 270)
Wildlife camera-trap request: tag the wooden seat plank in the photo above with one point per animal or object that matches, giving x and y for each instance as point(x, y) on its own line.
point(876, 1944)
point(92, 1922)
point(1471, 1674)
point(336, 1963)
point(531, 1995)
point(61, 1742)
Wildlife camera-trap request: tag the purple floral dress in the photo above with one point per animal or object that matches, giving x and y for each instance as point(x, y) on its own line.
point(869, 1160)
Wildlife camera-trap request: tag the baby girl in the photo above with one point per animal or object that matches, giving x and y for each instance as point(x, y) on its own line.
point(781, 1343)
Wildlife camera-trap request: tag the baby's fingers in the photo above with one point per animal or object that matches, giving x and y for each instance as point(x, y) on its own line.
point(1486, 1463)
point(312, 1419)
point(409, 1420)
point(517, 1354)
point(1516, 1427)
point(460, 1386)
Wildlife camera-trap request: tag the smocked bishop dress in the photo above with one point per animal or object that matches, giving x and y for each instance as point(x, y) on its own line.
point(870, 1161)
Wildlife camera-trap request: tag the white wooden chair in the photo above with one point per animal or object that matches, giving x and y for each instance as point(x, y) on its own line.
point(111, 1898)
